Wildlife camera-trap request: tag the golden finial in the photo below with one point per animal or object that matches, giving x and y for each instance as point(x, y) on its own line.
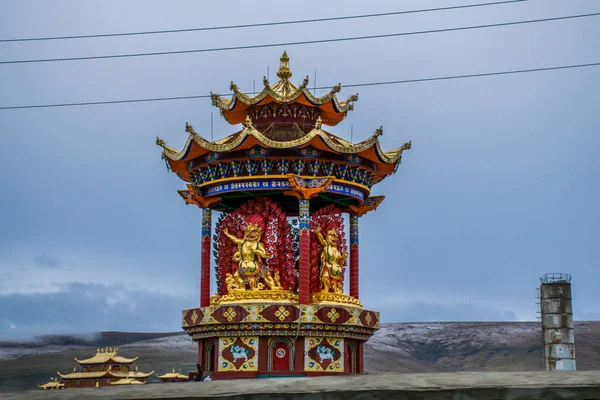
point(98, 350)
point(265, 81)
point(406, 146)
point(214, 98)
point(161, 143)
point(352, 98)
point(336, 88)
point(106, 349)
point(136, 368)
point(318, 123)
point(379, 131)
point(173, 370)
point(233, 87)
point(74, 369)
point(284, 72)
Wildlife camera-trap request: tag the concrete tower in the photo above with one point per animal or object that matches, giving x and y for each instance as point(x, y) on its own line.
point(557, 322)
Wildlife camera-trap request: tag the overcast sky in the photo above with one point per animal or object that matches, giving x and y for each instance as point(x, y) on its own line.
point(500, 187)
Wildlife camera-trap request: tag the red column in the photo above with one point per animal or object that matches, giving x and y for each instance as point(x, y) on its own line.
point(201, 353)
point(205, 260)
point(304, 262)
point(354, 256)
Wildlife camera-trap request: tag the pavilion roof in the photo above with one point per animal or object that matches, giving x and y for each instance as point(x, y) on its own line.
point(173, 375)
point(53, 384)
point(332, 110)
point(108, 355)
point(101, 374)
point(197, 146)
point(127, 381)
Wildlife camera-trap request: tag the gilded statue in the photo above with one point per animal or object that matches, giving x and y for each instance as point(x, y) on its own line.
point(331, 261)
point(250, 257)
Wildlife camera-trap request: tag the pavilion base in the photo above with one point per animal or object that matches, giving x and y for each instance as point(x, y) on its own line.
point(253, 340)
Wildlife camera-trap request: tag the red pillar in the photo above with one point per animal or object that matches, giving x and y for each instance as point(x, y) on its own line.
point(304, 262)
point(201, 353)
point(205, 260)
point(354, 256)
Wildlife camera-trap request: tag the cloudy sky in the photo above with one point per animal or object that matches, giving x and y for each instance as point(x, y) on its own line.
point(501, 185)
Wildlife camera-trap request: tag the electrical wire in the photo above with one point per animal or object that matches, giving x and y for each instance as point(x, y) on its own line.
point(381, 83)
point(256, 46)
point(302, 21)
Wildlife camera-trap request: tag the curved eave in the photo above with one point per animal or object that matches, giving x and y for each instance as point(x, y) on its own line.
point(197, 146)
point(171, 375)
point(130, 374)
point(105, 359)
point(83, 375)
point(333, 111)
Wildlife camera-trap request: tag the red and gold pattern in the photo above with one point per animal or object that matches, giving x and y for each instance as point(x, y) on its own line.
point(238, 354)
point(280, 313)
point(324, 354)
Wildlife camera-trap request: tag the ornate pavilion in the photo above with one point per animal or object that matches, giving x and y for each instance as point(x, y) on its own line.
point(103, 369)
point(282, 185)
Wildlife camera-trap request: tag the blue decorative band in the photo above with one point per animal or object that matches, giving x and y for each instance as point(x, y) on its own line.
point(206, 221)
point(278, 184)
point(353, 229)
point(304, 215)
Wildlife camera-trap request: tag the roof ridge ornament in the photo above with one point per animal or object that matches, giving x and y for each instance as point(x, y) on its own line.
point(304, 83)
point(379, 131)
point(284, 72)
point(161, 143)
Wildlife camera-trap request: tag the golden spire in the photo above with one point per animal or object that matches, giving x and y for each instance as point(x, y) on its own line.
point(284, 86)
point(284, 72)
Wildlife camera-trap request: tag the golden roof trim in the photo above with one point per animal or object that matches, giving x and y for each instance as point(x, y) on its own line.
point(173, 375)
point(127, 381)
point(104, 358)
point(130, 374)
point(100, 374)
point(336, 144)
point(83, 375)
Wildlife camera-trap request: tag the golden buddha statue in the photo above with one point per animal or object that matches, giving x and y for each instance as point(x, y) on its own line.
point(331, 261)
point(250, 256)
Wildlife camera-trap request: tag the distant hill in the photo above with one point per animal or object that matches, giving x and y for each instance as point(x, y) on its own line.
point(402, 347)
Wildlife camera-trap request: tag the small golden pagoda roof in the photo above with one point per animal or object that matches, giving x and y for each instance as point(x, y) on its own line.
point(173, 375)
point(53, 384)
point(234, 110)
point(106, 355)
point(127, 381)
point(101, 374)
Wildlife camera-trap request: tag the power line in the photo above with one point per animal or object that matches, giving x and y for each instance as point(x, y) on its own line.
point(301, 21)
point(346, 39)
point(381, 83)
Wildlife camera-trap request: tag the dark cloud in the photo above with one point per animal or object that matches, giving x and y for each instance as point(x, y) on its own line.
point(84, 308)
point(47, 261)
